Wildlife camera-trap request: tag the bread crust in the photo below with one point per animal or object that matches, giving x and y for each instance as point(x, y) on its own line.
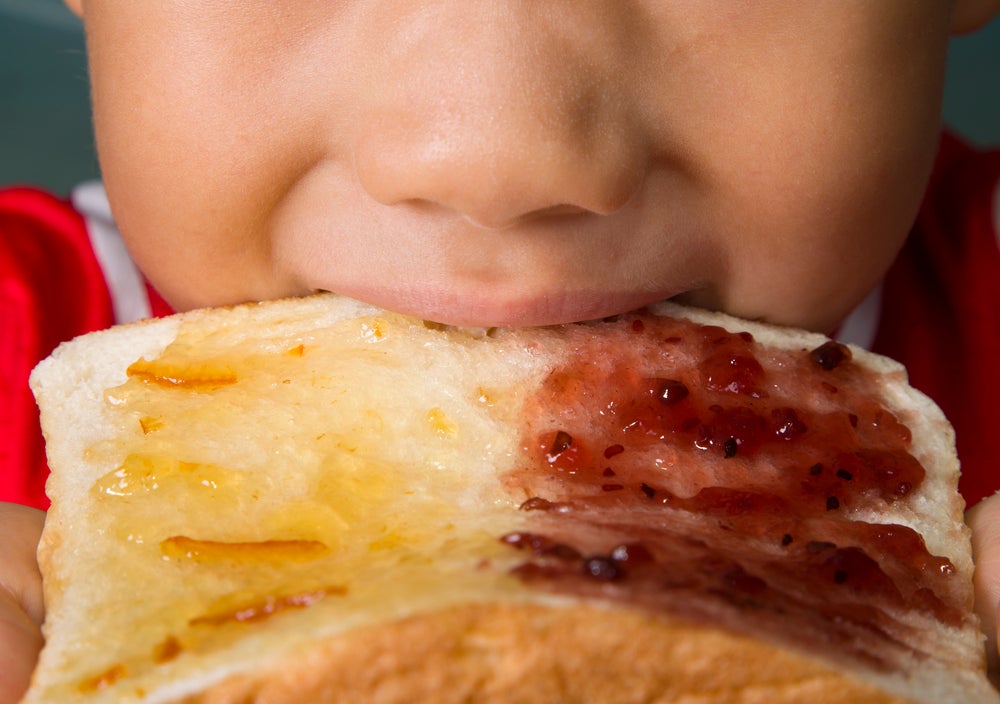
point(534, 654)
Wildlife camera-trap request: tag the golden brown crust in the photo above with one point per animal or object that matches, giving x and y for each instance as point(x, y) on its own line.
point(528, 654)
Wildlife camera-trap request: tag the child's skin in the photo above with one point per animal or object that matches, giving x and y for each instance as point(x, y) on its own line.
point(513, 162)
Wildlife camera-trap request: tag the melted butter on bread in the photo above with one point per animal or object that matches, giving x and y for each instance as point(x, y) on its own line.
point(300, 494)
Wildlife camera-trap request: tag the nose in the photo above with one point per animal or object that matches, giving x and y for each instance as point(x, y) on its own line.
point(501, 119)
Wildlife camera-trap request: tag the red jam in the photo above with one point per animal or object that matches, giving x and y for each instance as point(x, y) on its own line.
point(706, 474)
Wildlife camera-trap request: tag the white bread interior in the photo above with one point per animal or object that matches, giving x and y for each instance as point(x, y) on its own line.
point(442, 621)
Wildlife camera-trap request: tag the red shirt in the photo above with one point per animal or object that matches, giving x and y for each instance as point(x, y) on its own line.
point(940, 311)
point(53, 287)
point(941, 307)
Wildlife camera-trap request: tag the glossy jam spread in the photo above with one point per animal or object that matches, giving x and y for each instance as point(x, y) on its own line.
point(708, 475)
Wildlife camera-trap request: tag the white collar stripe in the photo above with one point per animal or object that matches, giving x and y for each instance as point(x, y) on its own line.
point(129, 297)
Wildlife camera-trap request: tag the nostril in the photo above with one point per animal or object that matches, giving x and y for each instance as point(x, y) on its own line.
point(485, 221)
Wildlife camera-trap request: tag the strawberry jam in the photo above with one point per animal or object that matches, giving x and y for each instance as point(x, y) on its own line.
point(737, 473)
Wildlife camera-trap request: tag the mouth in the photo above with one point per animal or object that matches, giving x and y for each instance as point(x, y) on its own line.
point(487, 307)
point(426, 261)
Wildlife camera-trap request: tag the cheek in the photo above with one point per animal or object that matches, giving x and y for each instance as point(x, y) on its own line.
point(822, 179)
point(808, 245)
point(199, 234)
point(197, 144)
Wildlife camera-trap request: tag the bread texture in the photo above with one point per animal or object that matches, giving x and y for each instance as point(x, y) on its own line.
point(316, 500)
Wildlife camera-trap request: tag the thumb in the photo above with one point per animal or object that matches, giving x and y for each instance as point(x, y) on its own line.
point(984, 520)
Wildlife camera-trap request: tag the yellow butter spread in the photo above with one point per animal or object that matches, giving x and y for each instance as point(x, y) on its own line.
point(312, 479)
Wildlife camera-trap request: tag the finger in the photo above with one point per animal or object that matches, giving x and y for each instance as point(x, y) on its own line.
point(21, 608)
point(20, 642)
point(984, 520)
point(19, 576)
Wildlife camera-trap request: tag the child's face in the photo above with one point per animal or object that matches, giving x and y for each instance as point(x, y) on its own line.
point(519, 162)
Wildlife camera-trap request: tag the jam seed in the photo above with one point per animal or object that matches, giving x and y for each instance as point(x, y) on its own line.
point(540, 546)
point(729, 448)
point(830, 355)
point(786, 423)
point(536, 503)
point(612, 450)
point(560, 444)
point(670, 391)
point(602, 568)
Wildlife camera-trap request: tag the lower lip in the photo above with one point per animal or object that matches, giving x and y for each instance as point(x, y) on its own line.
point(488, 309)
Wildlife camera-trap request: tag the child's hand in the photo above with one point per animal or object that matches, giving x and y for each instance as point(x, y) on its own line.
point(984, 518)
point(21, 607)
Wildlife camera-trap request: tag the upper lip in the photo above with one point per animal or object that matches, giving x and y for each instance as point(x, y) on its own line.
point(428, 261)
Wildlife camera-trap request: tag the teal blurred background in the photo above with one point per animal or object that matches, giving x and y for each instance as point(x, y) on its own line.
point(45, 130)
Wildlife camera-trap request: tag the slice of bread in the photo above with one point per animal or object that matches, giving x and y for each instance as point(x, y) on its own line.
point(314, 500)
